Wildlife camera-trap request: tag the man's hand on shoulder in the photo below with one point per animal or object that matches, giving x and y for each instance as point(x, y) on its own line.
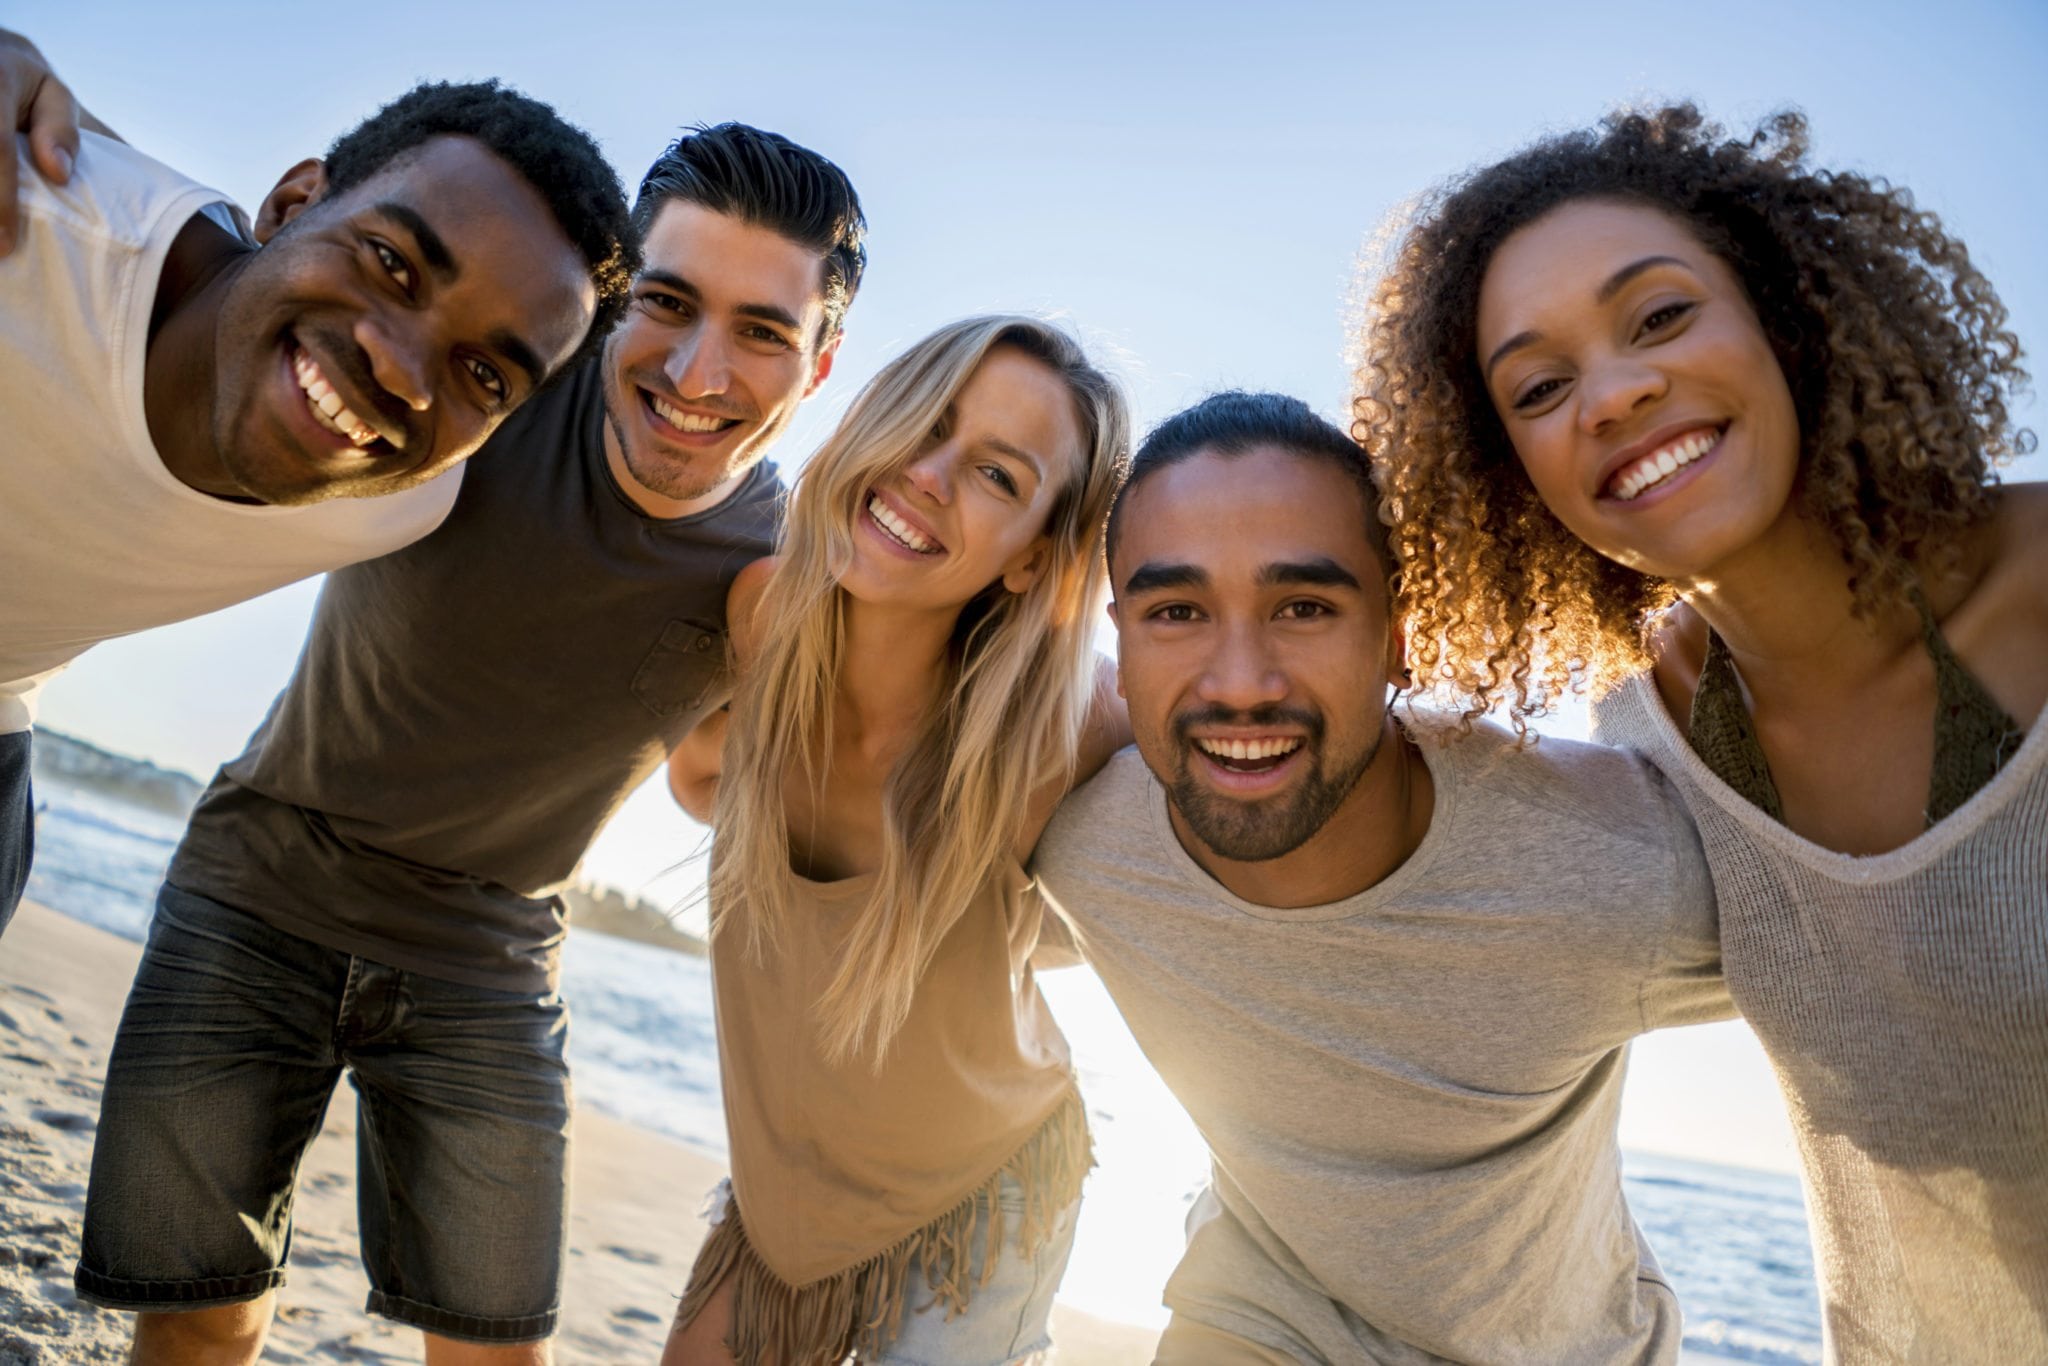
point(45, 109)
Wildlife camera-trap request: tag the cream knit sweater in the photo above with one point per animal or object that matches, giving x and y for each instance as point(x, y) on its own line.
point(1903, 999)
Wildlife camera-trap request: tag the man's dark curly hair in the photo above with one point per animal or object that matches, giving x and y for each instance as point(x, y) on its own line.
point(765, 179)
point(1895, 348)
point(554, 156)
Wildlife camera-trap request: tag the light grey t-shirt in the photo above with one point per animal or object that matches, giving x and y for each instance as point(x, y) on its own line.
point(1410, 1095)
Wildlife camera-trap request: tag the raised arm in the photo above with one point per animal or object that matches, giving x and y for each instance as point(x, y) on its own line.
point(695, 763)
point(46, 110)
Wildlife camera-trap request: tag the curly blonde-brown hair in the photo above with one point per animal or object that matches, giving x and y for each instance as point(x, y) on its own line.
point(1894, 345)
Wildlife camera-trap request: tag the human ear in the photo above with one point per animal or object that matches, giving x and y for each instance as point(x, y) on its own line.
point(1398, 672)
point(1029, 566)
point(303, 186)
point(821, 369)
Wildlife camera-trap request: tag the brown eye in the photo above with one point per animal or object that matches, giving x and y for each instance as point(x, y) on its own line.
point(1665, 316)
point(394, 265)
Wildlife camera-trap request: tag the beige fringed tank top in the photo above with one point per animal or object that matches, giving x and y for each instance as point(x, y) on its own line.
point(843, 1175)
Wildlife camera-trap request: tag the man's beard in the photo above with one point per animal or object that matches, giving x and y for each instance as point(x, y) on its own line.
point(1255, 831)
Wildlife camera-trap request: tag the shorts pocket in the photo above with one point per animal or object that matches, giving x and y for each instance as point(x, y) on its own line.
point(678, 674)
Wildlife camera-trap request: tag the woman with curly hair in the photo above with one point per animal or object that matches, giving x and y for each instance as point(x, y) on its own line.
point(1683, 418)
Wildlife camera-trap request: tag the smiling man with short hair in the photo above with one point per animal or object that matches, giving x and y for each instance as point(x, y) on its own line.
point(194, 419)
point(1391, 972)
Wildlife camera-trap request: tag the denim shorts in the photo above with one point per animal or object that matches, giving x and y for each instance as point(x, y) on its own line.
point(17, 822)
point(230, 1046)
point(1006, 1320)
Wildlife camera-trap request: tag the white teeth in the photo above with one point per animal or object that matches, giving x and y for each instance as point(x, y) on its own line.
point(686, 422)
point(326, 405)
point(1656, 467)
point(1249, 749)
point(897, 527)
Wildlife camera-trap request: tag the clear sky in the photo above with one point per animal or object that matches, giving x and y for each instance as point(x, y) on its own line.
point(1191, 184)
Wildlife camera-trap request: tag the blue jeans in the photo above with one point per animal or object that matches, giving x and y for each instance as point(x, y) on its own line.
point(1006, 1321)
point(17, 822)
point(231, 1043)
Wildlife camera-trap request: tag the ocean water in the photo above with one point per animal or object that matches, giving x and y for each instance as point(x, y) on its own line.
point(643, 1047)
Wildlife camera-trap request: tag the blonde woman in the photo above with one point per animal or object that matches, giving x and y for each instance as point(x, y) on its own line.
point(917, 690)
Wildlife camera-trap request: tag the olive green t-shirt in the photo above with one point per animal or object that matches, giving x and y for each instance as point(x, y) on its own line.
point(469, 711)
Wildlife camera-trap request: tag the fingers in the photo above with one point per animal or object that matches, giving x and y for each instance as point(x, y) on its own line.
point(43, 107)
point(53, 130)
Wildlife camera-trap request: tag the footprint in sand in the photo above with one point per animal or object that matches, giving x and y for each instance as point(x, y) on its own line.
point(70, 1121)
point(19, 990)
point(633, 1313)
point(634, 1254)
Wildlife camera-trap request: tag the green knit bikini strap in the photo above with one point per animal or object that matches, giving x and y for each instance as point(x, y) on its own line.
point(1721, 733)
point(1973, 736)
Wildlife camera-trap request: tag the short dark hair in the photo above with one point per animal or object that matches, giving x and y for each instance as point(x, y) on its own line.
point(1234, 422)
point(558, 159)
point(764, 178)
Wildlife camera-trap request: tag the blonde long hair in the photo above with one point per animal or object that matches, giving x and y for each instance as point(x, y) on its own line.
point(1021, 669)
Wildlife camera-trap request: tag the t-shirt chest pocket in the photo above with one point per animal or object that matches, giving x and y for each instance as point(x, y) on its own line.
point(678, 674)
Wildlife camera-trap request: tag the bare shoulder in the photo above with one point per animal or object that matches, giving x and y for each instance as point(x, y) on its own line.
point(743, 603)
point(1678, 644)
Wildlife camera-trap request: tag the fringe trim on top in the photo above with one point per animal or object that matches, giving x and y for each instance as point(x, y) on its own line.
point(860, 1310)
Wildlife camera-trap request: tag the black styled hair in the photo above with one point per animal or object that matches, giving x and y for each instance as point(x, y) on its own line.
point(558, 159)
point(1233, 423)
point(765, 179)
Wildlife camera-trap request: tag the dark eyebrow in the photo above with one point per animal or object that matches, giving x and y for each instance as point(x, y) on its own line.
point(1607, 291)
point(769, 313)
point(1629, 272)
point(1319, 573)
point(432, 249)
point(1152, 576)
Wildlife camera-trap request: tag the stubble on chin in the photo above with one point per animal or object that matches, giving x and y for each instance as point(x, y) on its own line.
point(1270, 828)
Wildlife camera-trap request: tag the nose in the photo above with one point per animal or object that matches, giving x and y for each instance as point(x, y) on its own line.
point(1242, 671)
point(1611, 391)
point(398, 360)
point(699, 364)
point(932, 473)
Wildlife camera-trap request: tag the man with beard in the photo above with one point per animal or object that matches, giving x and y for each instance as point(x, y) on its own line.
point(197, 413)
point(1391, 968)
point(372, 885)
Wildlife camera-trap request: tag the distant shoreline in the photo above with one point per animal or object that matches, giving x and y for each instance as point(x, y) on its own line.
point(67, 761)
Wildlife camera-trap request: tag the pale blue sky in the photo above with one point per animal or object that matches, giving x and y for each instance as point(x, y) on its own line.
point(1190, 184)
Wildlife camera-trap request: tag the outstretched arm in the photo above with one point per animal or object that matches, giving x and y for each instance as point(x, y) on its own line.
point(46, 110)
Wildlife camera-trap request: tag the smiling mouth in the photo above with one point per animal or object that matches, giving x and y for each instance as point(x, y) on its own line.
point(1638, 477)
point(1261, 755)
point(326, 406)
point(696, 424)
point(898, 530)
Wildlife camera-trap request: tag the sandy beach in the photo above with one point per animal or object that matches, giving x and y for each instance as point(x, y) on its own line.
point(634, 1195)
